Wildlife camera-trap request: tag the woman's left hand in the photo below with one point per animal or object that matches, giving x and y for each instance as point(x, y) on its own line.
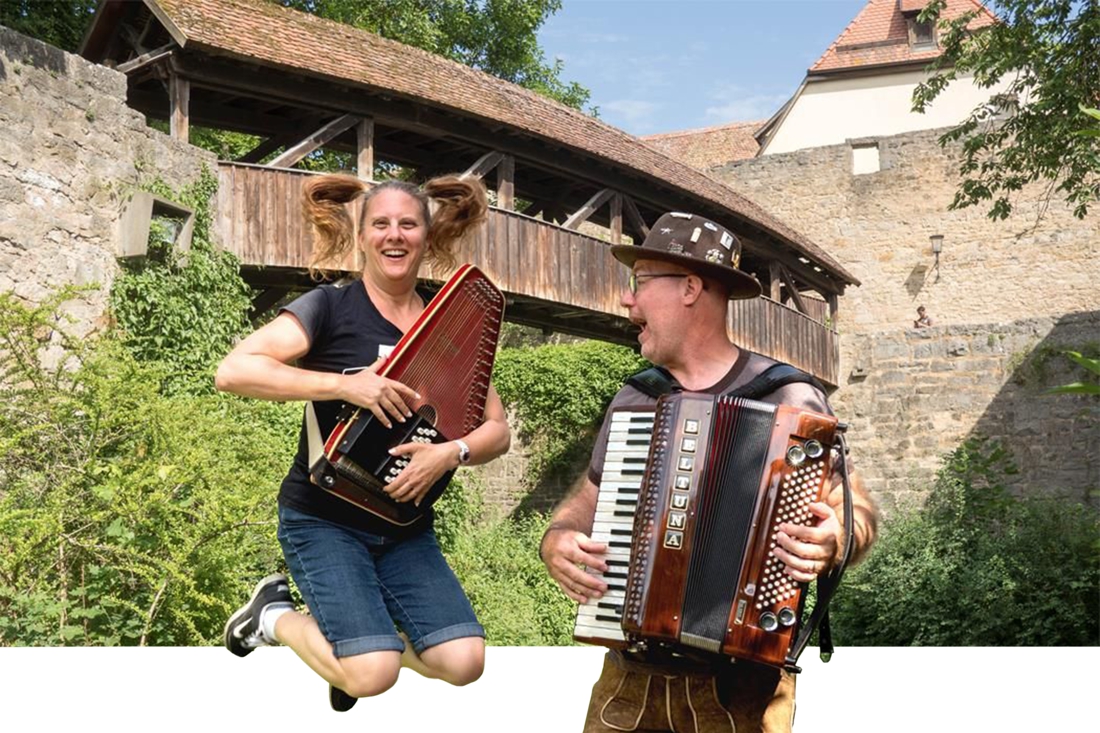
point(427, 463)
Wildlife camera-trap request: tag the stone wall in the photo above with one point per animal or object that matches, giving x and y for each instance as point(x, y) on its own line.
point(71, 152)
point(877, 226)
point(916, 394)
point(1005, 297)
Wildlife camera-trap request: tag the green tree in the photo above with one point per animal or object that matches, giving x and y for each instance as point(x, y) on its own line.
point(60, 23)
point(498, 37)
point(1047, 52)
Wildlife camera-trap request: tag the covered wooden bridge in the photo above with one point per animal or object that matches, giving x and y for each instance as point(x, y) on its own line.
point(300, 83)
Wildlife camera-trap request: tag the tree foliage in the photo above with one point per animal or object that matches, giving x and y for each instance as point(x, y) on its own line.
point(127, 516)
point(60, 23)
point(1047, 53)
point(559, 394)
point(976, 566)
point(498, 37)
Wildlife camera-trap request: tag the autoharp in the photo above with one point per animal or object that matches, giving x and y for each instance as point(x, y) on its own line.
point(691, 499)
point(447, 358)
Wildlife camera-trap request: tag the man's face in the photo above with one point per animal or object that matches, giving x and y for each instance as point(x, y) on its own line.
point(656, 308)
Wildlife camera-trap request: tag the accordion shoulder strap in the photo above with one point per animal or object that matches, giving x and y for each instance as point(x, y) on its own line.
point(654, 382)
point(657, 381)
point(773, 378)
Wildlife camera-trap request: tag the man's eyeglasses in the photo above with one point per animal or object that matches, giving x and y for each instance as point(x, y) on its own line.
point(636, 280)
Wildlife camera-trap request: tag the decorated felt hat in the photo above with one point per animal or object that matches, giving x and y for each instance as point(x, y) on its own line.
point(698, 244)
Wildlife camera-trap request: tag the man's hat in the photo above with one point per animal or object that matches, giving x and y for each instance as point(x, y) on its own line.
point(697, 244)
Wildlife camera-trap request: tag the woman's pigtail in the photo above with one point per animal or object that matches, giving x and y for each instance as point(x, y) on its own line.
point(461, 205)
point(323, 205)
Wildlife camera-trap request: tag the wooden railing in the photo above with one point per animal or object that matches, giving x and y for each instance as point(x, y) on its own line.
point(260, 220)
point(784, 334)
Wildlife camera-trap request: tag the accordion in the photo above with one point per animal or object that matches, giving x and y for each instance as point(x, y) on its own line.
point(447, 358)
point(691, 498)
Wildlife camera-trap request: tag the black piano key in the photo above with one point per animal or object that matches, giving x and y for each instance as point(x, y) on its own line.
point(602, 617)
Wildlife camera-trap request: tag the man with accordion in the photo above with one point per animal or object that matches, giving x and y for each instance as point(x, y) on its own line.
point(717, 489)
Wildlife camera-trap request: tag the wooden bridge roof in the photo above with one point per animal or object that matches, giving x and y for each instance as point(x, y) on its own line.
point(261, 68)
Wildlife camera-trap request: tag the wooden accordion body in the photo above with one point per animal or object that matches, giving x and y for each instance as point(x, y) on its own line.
point(690, 553)
point(447, 358)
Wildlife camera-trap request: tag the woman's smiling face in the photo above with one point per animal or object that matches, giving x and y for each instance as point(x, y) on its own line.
point(395, 235)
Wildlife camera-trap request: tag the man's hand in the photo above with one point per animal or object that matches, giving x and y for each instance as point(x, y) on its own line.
point(563, 550)
point(809, 551)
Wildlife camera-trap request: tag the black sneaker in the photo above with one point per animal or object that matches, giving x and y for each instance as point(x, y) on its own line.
point(242, 630)
point(340, 701)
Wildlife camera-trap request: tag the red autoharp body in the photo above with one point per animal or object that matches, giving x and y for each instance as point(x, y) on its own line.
point(447, 358)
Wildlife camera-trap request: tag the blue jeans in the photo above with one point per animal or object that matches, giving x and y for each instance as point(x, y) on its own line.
point(358, 585)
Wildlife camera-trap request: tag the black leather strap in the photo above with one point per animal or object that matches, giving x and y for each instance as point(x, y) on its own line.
point(773, 378)
point(654, 382)
point(827, 584)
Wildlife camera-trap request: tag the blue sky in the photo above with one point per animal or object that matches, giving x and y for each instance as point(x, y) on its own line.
point(663, 65)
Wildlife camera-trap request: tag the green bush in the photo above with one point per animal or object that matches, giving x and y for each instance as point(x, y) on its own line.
point(559, 394)
point(126, 516)
point(977, 566)
point(498, 564)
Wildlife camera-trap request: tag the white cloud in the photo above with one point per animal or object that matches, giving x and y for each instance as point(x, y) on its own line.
point(636, 115)
point(737, 104)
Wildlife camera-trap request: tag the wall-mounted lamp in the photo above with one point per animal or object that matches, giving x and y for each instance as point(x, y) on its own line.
point(937, 247)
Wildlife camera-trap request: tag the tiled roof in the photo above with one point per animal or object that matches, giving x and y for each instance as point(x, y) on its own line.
point(912, 6)
point(879, 35)
point(269, 34)
point(709, 147)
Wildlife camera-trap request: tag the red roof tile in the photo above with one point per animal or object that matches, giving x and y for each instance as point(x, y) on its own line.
point(879, 35)
point(709, 147)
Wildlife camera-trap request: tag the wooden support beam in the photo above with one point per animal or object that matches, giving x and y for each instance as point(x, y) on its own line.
point(266, 148)
point(179, 96)
point(834, 307)
point(506, 183)
point(774, 279)
point(265, 301)
point(581, 215)
point(634, 217)
point(792, 290)
point(364, 134)
point(146, 58)
point(134, 37)
point(483, 165)
point(314, 141)
point(616, 227)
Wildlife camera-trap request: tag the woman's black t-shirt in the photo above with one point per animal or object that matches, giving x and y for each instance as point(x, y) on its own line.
point(347, 334)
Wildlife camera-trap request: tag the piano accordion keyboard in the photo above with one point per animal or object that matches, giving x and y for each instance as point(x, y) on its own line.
point(599, 621)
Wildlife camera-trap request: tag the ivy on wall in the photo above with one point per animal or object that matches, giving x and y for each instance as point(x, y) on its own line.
point(184, 310)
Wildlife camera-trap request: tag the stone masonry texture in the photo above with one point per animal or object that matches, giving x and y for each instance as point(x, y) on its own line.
point(71, 153)
point(1006, 298)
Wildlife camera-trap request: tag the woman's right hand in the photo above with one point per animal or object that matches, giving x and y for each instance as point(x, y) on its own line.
point(384, 397)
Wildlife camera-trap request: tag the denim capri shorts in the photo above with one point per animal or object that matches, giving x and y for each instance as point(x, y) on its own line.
point(358, 585)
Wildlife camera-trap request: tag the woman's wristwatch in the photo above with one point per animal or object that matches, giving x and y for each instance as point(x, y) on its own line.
point(463, 451)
